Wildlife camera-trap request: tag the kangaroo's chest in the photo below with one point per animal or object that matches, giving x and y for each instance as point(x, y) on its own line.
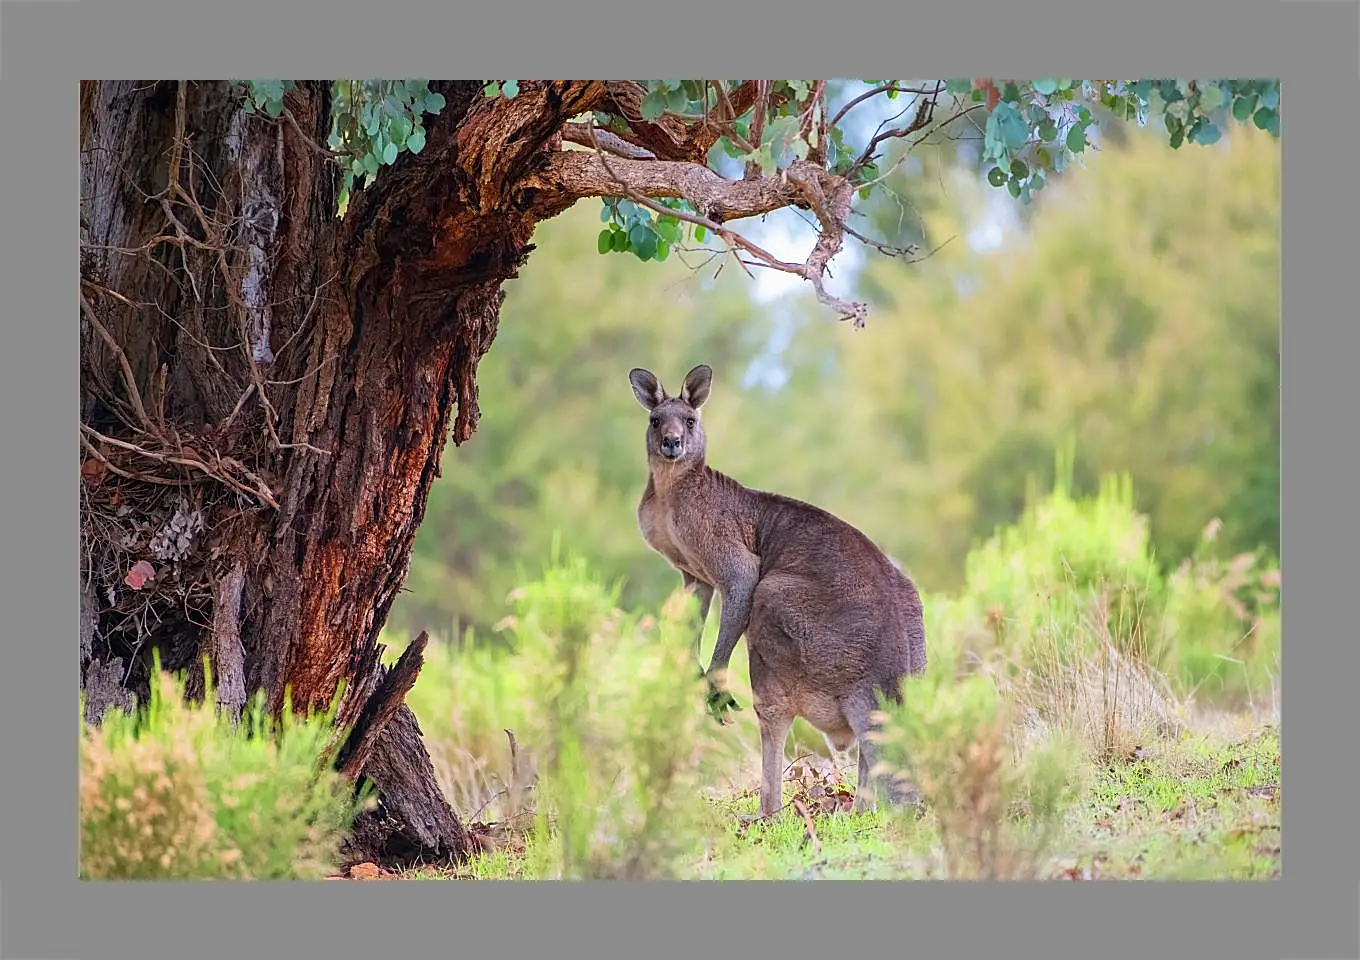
point(668, 535)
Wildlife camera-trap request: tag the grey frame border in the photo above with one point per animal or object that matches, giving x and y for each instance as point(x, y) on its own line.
point(48, 47)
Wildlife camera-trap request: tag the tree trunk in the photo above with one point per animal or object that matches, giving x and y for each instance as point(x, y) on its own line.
point(266, 391)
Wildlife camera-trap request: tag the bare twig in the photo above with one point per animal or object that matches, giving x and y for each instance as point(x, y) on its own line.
point(885, 88)
point(134, 392)
point(911, 146)
point(257, 489)
point(302, 135)
point(807, 820)
point(925, 112)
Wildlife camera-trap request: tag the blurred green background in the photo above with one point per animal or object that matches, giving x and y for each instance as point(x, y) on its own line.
point(1133, 310)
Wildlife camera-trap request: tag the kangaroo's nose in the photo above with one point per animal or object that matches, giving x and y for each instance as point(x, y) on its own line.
point(670, 445)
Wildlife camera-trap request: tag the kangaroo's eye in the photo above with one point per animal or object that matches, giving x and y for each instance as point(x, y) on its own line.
point(656, 421)
point(689, 421)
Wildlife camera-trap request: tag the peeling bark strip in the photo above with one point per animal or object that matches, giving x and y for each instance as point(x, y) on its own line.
point(228, 656)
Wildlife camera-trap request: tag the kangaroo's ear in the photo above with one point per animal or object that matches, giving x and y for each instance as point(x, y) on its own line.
point(646, 387)
point(697, 383)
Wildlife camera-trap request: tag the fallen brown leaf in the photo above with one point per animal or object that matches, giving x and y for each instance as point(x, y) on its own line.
point(364, 871)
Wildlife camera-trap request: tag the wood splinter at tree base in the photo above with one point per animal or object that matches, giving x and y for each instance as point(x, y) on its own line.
point(381, 707)
point(385, 746)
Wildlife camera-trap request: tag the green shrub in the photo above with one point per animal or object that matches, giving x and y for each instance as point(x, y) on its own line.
point(175, 791)
point(1061, 555)
point(996, 803)
point(617, 724)
point(1223, 623)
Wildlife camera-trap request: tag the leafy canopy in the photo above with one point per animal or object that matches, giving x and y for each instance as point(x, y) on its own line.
point(1030, 131)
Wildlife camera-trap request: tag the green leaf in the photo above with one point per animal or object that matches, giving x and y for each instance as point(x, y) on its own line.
point(492, 88)
point(1262, 117)
point(334, 141)
point(958, 86)
point(389, 154)
point(1210, 97)
point(434, 102)
point(371, 164)
point(700, 233)
point(668, 228)
point(1013, 187)
point(1019, 170)
point(606, 212)
point(1205, 132)
point(663, 250)
point(1043, 159)
point(619, 241)
point(1270, 96)
point(1048, 130)
point(996, 176)
point(1046, 87)
point(1011, 126)
point(645, 249)
point(864, 193)
point(399, 129)
point(653, 105)
point(1010, 92)
point(1076, 138)
point(510, 88)
point(416, 141)
point(1244, 107)
point(605, 241)
point(1065, 83)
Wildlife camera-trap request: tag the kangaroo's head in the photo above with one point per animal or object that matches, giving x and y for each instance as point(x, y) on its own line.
point(675, 434)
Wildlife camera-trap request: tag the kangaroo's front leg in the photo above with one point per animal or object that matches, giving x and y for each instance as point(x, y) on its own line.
point(737, 579)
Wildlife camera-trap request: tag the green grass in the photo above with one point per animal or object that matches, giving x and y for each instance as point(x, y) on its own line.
point(1202, 807)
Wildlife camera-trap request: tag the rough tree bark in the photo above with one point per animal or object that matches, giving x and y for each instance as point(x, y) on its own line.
point(266, 391)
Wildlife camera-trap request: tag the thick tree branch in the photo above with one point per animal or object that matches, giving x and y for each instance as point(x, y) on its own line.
point(572, 175)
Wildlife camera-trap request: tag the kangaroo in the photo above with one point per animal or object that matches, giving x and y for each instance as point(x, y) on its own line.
point(829, 620)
